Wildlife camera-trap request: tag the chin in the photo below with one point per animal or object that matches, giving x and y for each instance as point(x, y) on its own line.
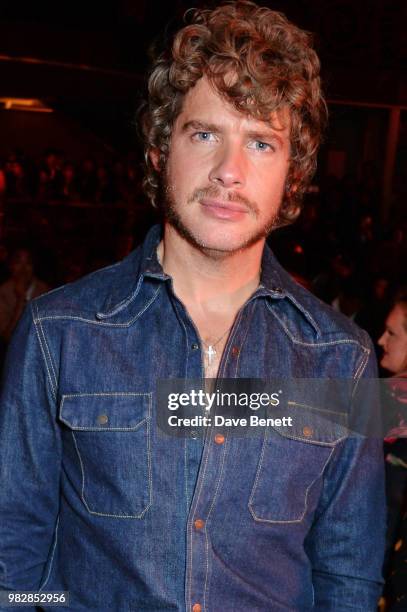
point(220, 239)
point(384, 365)
point(387, 366)
point(227, 240)
point(227, 244)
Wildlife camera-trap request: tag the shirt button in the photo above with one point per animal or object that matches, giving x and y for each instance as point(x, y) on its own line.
point(307, 431)
point(197, 608)
point(199, 523)
point(194, 346)
point(219, 438)
point(235, 351)
point(103, 419)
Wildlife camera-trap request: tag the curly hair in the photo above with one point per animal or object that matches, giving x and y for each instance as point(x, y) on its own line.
point(274, 67)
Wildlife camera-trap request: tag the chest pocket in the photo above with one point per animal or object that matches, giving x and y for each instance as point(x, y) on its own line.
point(108, 451)
point(292, 460)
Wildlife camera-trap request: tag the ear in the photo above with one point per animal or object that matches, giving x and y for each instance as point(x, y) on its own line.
point(154, 156)
point(291, 185)
point(294, 187)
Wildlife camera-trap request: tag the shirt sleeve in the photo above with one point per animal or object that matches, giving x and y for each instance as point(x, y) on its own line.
point(30, 457)
point(346, 542)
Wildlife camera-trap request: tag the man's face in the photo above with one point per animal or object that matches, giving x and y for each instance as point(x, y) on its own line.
point(21, 265)
point(225, 173)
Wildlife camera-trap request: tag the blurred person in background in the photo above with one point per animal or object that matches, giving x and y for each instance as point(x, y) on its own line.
point(375, 307)
point(394, 359)
point(15, 178)
point(87, 180)
point(50, 175)
point(394, 338)
point(105, 188)
point(69, 184)
point(21, 286)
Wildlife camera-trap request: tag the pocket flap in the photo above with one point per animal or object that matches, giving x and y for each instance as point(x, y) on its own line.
point(105, 411)
point(311, 424)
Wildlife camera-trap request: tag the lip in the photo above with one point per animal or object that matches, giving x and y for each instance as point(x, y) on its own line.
point(224, 210)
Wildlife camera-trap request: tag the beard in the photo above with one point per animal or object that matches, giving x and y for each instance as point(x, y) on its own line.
point(170, 209)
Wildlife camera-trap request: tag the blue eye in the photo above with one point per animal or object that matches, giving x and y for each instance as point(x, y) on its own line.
point(204, 136)
point(259, 145)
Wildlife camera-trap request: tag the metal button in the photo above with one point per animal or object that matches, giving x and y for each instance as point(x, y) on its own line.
point(103, 419)
point(197, 608)
point(235, 351)
point(277, 289)
point(307, 431)
point(219, 438)
point(194, 434)
point(194, 346)
point(199, 523)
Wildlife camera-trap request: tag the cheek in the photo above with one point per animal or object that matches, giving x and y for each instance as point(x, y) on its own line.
point(274, 179)
point(404, 354)
point(178, 172)
point(398, 353)
point(184, 176)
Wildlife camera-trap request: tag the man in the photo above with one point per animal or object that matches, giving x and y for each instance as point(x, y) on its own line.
point(100, 502)
point(21, 286)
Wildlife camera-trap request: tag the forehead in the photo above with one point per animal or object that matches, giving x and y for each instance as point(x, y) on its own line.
point(204, 103)
point(397, 319)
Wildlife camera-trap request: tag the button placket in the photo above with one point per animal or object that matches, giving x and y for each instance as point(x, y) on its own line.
point(210, 476)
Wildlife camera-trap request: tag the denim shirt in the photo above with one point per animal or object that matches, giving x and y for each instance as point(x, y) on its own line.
point(95, 500)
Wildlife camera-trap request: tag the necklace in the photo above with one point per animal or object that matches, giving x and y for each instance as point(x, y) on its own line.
point(210, 351)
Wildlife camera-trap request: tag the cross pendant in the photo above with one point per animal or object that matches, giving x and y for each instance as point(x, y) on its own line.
point(211, 353)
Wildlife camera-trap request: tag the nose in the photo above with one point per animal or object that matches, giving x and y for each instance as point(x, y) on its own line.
point(382, 340)
point(228, 167)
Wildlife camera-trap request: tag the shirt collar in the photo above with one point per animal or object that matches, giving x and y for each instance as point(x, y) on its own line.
point(277, 285)
point(275, 282)
point(150, 266)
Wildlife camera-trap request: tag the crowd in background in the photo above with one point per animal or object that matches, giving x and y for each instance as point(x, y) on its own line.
point(341, 249)
point(55, 178)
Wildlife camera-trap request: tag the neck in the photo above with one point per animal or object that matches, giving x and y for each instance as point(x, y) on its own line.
point(210, 279)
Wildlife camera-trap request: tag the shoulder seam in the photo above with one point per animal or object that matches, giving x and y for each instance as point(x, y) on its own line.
point(39, 331)
point(100, 323)
point(314, 344)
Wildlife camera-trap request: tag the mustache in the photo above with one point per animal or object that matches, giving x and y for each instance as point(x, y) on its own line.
point(212, 191)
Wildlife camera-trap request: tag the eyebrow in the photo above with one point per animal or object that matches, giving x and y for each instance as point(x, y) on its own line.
point(200, 125)
point(213, 127)
point(268, 135)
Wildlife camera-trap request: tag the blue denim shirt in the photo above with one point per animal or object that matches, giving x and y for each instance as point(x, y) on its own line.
point(96, 501)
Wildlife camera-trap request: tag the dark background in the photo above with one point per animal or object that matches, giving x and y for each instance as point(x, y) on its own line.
point(91, 58)
point(88, 62)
